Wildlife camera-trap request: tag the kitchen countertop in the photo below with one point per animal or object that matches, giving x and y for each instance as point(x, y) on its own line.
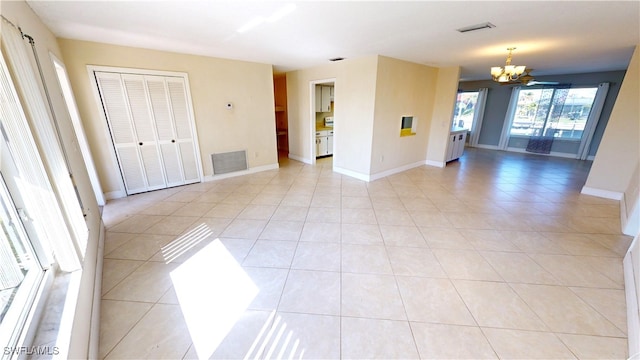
point(322, 128)
point(456, 129)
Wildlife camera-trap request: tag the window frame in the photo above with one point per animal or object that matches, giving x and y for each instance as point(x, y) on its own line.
point(588, 132)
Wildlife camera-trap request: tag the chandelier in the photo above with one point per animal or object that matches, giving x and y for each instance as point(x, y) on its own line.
point(509, 72)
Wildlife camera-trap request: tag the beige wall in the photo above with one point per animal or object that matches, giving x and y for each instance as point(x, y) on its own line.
point(615, 170)
point(354, 96)
point(74, 344)
point(371, 96)
point(354, 99)
point(630, 212)
point(447, 85)
point(403, 89)
point(250, 125)
point(619, 151)
point(299, 111)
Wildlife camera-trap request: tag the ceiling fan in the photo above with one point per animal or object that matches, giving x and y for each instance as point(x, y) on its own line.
point(527, 80)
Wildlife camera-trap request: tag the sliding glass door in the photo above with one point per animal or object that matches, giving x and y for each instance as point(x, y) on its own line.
point(465, 109)
point(469, 112)
point(559, 120)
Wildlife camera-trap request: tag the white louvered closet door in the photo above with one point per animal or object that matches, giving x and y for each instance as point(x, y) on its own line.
point(184, 132)
point(151, 128)
point(124, 139)
point(164, 123)
point(145, 130)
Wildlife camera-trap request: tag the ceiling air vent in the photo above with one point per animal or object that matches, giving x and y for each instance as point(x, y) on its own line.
point(485, 25)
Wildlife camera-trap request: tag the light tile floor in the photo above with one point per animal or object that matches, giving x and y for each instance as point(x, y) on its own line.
point(495, 256)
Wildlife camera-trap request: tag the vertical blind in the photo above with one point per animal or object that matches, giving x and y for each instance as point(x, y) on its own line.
point(48, 189)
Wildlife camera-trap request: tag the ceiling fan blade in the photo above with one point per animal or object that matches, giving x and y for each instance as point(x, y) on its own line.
point(534, 82)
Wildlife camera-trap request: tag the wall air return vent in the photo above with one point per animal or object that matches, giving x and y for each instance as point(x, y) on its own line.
point(228, 162)
point(484, 25)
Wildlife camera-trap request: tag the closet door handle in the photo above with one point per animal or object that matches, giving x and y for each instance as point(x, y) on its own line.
point(140, 143)
point(173, 141)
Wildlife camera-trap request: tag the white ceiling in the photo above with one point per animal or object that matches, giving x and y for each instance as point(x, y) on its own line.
point(552, 37)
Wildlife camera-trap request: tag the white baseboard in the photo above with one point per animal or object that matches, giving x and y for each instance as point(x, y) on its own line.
point(299, 158)
point(118, 194)
point(94, 336)
point(380, 175)
point(607, 194)
point(439, 164)
point(521, 150)
point(631, 294)
point(553, 153)
point(252, 170)
point(400, 169)
point(352, 174)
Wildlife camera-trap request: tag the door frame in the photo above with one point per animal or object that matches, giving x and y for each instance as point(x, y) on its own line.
point(92, 69)
point(312, 116)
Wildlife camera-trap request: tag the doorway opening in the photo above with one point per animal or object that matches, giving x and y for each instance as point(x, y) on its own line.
point(322, 119)
point(282, 117)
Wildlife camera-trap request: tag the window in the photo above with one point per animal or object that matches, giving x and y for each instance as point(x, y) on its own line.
point(558, 121)
point(469, 112)
point(561, 113)
point(465, 109)
point(20, 271)
point(41, 217)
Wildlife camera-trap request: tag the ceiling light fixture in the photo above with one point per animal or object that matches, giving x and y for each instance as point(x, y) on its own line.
point(484, 25)
point(509, 72)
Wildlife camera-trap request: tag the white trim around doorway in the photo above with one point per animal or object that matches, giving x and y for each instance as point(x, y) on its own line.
point(312, 117)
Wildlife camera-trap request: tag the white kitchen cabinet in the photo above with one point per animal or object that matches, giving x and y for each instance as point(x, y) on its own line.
point(318, 98)
point(324, 97)
point(455, 145)
point(324, 143)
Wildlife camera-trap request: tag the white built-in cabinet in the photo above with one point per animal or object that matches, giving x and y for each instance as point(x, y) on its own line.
point(324, 142)
point(324, 97)
point(455, 146)
point(152, 129)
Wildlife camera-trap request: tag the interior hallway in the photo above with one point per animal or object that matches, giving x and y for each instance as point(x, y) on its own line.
point(495, 256)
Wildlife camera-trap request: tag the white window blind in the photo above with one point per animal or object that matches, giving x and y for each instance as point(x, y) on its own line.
point(53, 202)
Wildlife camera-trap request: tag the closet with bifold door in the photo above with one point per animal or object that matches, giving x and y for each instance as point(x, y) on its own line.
point(152, 129)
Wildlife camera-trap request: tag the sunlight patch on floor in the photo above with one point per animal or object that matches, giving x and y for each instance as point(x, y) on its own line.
point(186, 242)
point(273, 338)
point(213, 292)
